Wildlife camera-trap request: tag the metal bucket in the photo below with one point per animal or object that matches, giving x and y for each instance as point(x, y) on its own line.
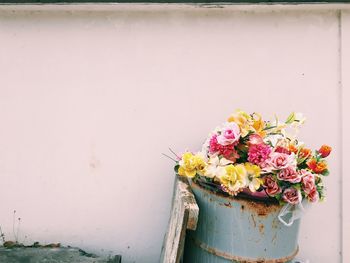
point(234, 229)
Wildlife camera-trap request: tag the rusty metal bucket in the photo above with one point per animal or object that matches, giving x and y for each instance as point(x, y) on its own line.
point(233, 229)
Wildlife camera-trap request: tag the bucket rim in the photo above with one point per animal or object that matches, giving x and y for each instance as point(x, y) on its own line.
point(241, 197)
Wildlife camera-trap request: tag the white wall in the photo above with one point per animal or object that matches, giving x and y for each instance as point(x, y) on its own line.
point(345, 95)
point(91, 96)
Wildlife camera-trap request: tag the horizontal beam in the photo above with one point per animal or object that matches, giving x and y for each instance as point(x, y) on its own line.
point(171, 1)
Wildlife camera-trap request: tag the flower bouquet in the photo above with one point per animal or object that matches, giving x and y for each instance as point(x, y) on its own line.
point(262, 161)
point(258, 158)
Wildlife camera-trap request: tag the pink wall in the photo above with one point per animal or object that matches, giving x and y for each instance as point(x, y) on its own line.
point(90, 96)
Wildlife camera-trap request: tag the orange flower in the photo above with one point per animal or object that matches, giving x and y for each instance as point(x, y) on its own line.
point(293, 148)
point(304, 153)
point(317, 167)
point(321, 167)
point(325, 150)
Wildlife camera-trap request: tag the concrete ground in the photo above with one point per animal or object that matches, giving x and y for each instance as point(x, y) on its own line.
point(50, 255)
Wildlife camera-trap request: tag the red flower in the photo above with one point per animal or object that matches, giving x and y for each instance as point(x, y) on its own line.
point(312, 163)
point(228, 151)
point(325, 150)
point(317, 167)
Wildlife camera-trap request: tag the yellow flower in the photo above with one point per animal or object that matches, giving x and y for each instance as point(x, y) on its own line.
point(244, 121)
point(235, 178)
point(259, 125)
point(253, 174)
point(200, 164)
point(191, 164)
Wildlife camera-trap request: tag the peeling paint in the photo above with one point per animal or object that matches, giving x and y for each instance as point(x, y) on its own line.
point(274, 238)
point(253, 219)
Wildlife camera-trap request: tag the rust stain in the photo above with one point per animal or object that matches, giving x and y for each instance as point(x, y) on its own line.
point(261, 229)
point(262, 208)
point(275, 223)
point(240, 259)
point(253, 219)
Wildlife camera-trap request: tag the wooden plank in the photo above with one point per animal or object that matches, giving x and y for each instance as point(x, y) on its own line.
point(184, 215)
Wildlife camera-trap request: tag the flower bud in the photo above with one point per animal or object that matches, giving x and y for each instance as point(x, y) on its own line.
point(325, 150)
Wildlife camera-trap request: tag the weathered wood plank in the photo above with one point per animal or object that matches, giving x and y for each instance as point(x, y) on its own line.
point(184, 215)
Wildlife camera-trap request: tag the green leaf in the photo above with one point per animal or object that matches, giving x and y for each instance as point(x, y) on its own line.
point(319, 188)
point(269, 127)
point(176, 168)
point(281, 202)
point(278, 197)
point(297, 186)
point(291, 118)
point(325, 173)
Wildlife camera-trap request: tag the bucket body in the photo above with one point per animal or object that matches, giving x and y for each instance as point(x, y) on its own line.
point(234, 229)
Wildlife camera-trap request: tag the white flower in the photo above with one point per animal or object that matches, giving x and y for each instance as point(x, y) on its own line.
point(216, 167)
point(299, 118)
point(273, 139)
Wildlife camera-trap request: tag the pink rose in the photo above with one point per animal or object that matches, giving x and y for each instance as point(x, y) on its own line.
point(281, 160)
point(289, 174)
point(313, 195)
point(292, 196)
point(307, 181)
point(309, 186)
point(271, 186)
point(255, 139)
point(229, 134)
point(281, 149)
